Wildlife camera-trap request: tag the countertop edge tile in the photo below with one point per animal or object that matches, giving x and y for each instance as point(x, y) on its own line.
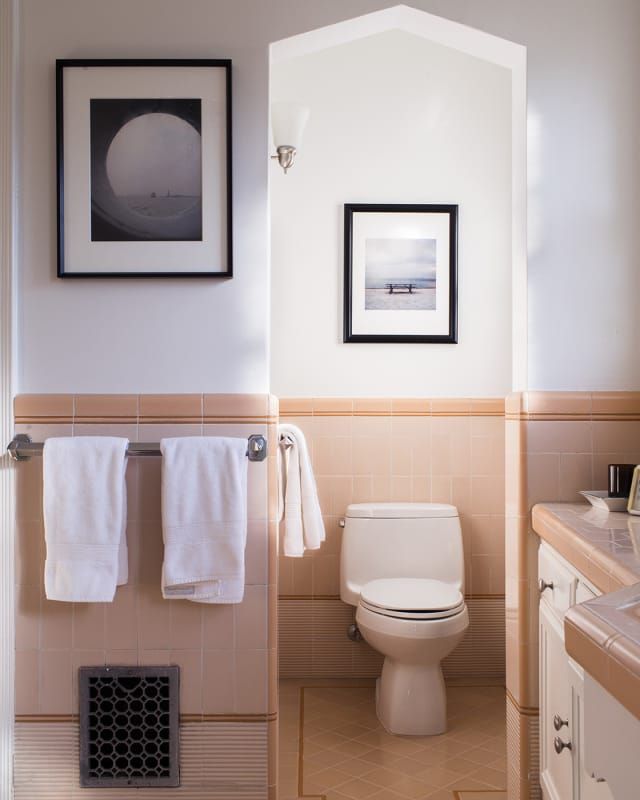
point(602, 635)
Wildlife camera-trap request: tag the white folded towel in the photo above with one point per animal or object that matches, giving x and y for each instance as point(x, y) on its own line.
point(204, 518)
point(300, 507)
point(85, 512)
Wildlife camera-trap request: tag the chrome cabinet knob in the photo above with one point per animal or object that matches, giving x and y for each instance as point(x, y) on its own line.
point(543, 585)
point(559, 745)
point(558, 722)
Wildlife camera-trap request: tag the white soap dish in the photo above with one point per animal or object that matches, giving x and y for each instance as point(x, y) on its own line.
point(600, 499)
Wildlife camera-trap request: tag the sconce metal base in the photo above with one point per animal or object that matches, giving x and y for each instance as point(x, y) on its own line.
point(286, 156)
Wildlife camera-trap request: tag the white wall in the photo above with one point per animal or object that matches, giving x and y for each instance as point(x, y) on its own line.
point(584, 74)
point(145, 335)
point(395, 119)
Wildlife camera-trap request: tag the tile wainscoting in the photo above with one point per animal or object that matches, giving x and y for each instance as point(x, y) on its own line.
point(227, 653)
point(421, 450)
point(441, 450)
point(557, 443)
point(450, 451)
point(223, 760)
point(313, 641)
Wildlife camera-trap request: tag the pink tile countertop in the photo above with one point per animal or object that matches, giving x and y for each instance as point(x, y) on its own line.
point(602, 635)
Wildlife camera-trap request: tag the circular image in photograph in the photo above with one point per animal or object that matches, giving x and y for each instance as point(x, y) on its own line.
point(146, 170)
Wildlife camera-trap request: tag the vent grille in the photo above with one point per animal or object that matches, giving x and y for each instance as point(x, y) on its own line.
point(129, 726)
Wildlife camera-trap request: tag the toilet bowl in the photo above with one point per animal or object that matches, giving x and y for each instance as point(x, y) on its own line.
point(402, 567)
point(410, 694)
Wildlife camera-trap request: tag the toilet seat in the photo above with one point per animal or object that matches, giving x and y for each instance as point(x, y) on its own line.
point(412, 598)
point(408, 630)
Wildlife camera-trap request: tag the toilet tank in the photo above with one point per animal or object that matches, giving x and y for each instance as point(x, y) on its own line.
point(400, 540)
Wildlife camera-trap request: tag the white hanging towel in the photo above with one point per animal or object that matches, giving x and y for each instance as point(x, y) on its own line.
point(85, 512)
point(204, 518)
point(300, 507)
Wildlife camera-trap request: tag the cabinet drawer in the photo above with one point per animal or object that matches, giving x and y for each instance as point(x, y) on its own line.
point(560, 580)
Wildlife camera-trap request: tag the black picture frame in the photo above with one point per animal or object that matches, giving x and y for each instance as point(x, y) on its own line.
point(204, 247)
point(445, 219)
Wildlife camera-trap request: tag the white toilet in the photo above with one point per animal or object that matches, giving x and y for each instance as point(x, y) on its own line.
point(402, 565)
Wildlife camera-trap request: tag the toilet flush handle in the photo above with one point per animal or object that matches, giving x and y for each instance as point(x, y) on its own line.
point(341, 523)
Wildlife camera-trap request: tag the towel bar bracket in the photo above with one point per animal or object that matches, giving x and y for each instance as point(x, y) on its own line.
point(21, 448)
point(16, 444)
point(257, 447)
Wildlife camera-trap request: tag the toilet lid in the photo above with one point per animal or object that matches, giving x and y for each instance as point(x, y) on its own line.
point(411, 594)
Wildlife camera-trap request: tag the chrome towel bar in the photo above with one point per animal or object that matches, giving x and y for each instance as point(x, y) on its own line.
point(21, 448)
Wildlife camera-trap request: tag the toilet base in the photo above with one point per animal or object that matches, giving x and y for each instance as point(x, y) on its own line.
point(411, 699)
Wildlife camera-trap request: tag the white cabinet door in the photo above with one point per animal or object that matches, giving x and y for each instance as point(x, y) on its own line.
point(587, 787)
point(612, 741)
point(563, 775)
point(556, 768)
point(592, 789)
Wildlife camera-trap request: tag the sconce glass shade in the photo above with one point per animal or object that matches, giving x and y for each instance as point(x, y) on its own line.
point(288, 121)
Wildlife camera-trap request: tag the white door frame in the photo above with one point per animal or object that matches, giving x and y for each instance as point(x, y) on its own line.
point(8, 243)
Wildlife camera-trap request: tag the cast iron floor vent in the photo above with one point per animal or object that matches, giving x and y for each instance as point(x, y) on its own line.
point(129, 726)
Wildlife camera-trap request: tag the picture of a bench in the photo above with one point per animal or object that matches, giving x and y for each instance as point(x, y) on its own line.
point(400, 287)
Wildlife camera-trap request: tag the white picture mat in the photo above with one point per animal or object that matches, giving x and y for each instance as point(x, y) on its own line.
point(82, 84)
point(399, 225)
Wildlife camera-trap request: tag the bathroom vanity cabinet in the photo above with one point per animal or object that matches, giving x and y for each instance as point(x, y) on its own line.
point(563, 775)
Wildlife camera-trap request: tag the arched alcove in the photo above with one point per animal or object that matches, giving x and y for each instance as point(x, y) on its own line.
point(381, 87)
point(469, 109)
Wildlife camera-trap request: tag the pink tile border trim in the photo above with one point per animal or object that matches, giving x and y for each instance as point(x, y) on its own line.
point(203, 407)
point(595, 406)
point(147, 408)
point(520, 405)
point(391, 407)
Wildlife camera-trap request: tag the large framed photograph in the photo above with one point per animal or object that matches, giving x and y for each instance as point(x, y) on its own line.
point(400, 273)
point(144, 168)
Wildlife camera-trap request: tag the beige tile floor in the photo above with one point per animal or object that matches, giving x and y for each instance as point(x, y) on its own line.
point(482, 795)
point(332, 746)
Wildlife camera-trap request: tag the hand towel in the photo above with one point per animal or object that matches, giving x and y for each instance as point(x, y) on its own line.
point(85, 515)
point(301, 512)
point(291, 504)
point(204, 518)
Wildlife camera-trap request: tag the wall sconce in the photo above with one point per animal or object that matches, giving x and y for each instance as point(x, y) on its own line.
point(288, 121)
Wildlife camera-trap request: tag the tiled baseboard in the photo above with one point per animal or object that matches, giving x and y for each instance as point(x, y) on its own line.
point(218, 761)
point(313, 641)
point(523, 753)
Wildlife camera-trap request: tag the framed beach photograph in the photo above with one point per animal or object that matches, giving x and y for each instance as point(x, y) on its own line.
point(400, 273)
point(144, 168)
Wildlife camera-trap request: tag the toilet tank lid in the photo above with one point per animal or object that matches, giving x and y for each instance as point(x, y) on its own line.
point(401, 510)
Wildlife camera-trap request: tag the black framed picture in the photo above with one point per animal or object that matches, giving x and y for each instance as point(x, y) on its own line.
point(144, 168)
point(400, 273)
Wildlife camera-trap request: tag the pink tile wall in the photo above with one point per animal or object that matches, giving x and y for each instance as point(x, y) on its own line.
point(556, 445)
point(224, 651)
point(549, 460)
point(449, 459)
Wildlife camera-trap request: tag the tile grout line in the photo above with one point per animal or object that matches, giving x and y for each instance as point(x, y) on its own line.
point(363, 777)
